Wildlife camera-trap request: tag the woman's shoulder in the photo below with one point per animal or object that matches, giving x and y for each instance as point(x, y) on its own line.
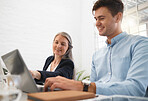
point(50, 57)
point(67, 61)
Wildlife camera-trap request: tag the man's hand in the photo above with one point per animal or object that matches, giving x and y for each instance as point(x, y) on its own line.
point(35, 74)
point(62, 83)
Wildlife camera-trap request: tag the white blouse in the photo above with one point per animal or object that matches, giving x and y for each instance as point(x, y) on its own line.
point(48, 69)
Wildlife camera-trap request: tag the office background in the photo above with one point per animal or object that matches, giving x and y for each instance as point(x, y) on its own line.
point(30, 26)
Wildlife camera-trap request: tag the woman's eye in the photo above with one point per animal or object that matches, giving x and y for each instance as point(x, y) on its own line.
point(56, 42)
point(63, 44)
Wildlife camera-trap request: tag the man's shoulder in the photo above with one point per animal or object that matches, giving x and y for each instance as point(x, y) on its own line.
point(136, 39)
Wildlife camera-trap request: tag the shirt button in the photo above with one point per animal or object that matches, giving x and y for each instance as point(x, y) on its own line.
point(109, 73)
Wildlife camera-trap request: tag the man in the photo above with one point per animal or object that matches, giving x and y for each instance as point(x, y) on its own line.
point(120, 68)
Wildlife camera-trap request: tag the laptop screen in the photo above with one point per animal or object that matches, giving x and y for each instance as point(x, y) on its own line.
point(15, 64)
point(1, 69)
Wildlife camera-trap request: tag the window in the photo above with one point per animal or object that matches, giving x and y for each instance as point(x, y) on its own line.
point(135, 20)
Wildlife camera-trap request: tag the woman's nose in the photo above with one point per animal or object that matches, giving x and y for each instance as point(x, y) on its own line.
point(59, 45)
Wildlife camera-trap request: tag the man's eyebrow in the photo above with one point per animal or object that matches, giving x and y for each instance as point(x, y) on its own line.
point(99, 16)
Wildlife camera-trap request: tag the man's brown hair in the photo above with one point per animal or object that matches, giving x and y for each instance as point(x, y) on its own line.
point(114, 6)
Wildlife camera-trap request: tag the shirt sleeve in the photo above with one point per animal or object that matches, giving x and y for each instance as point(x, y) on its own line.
point(93, 72)
point(65, 69)
point(136, 81)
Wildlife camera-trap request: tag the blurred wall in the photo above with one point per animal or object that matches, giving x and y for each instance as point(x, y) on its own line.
point(30, 26)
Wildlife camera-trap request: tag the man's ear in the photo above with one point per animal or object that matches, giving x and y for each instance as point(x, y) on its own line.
point(118, 17)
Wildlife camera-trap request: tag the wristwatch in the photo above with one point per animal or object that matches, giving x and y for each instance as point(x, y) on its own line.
point(86, 84)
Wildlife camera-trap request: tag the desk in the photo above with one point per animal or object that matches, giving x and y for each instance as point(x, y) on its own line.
point(105, 98)
point(65, 95)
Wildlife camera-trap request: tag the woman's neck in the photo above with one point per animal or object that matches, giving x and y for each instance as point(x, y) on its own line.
point(57, 59)
point(55, 62)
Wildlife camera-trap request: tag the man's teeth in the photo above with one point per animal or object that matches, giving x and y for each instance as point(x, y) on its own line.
point(100, 28)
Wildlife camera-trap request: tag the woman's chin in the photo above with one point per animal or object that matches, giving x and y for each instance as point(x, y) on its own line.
point(58, 54)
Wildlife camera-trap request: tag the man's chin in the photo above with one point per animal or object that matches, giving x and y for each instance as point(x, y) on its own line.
point(101, 34)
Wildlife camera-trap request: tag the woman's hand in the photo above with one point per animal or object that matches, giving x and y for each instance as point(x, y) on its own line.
point(35, 74)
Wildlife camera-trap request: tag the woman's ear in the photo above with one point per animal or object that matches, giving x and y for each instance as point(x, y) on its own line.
point(118, 17)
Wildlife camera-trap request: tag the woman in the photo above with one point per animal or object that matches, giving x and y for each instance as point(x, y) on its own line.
point(60, 64)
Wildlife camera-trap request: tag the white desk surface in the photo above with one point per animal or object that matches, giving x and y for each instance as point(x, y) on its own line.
point(101, 98)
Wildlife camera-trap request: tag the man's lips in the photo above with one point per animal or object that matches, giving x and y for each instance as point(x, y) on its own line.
point(100, 28)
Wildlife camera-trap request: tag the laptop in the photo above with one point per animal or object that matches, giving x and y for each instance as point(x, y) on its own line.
point(1, 69)
point(16, 66)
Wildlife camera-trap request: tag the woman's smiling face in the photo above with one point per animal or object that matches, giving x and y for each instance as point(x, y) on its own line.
point(60, 45)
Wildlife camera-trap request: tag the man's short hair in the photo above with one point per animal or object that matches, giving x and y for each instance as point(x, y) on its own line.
point(114, 6)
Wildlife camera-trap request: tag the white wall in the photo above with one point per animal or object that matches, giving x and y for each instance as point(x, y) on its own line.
point(30, 26)
point(87, 34)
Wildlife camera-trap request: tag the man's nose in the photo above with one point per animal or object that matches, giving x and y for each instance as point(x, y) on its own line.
point(98, 23)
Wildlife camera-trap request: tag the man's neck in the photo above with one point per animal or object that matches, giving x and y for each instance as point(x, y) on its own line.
point(109, 38)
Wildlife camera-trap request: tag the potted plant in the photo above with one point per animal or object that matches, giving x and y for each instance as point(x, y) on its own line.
point(80, 77)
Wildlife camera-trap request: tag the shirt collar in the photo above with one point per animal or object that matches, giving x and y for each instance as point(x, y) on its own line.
point(116, 39)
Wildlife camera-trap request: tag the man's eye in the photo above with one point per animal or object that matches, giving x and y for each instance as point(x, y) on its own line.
point(56, 42)
point(101, 18)
point(95, 18)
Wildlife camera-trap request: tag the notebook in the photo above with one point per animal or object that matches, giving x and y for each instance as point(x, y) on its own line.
point(60, 96)
point(16, 65)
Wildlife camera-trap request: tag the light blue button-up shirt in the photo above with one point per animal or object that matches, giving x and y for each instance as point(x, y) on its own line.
point(121, 68)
